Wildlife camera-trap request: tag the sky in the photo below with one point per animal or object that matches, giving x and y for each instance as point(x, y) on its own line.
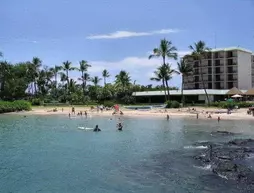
point(119, 35)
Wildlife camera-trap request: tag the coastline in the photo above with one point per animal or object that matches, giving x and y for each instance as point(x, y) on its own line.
point(239, 114)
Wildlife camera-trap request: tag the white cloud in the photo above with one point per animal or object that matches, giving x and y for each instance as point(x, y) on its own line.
point(140, 68)
point(128, 34)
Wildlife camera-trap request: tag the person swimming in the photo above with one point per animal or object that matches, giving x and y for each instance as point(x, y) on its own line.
point(120, 126)
point(96, 129)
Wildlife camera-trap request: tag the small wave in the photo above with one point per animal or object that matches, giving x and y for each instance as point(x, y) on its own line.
point(224, 177)
point(207, 167)
point(195, 147)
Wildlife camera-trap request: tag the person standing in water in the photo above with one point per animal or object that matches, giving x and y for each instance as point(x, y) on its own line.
point(73, 110)
point(167, 117)
point(218, 119)
point(197, 115)
point(120, 126)
point(96, 129)
point(85, 114)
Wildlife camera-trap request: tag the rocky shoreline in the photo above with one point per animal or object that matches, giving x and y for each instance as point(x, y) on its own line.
point(227, 159)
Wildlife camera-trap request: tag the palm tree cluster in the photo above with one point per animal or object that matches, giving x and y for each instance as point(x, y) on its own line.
point(164, 72)
point(33, 80)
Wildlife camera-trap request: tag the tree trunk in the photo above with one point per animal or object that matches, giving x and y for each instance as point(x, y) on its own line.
point(67, 74)
point(203, 82)
point(182, 97)
point(167, 89)
point(56, 86)
point(163, 83)
point(104, 81)
point(83, 83)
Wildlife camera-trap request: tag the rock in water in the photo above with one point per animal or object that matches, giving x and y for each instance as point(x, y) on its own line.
point(240, 142)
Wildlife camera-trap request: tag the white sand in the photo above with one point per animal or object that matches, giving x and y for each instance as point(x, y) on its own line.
point(240, 114)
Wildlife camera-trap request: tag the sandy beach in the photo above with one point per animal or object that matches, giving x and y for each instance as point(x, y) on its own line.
point(239, 114)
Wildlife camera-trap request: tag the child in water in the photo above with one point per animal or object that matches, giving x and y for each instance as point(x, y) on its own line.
point(120, 126)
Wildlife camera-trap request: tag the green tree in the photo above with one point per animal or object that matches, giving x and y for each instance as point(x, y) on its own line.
point(123, 80)
point(95, 80)
point(34, 71)
point(105, 75)
point(67, 68)
point(83, 67)
point(55, 71)
point(185, 69)
point(159, 75)
point(165, 50)
point(199, 51)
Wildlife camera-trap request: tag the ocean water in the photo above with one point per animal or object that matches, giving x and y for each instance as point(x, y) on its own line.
point(151, 155)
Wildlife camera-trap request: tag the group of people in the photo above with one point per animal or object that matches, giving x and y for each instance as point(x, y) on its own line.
point(118, 125)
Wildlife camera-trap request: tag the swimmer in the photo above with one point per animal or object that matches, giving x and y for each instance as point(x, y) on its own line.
point(120, 126)
point(96, 129)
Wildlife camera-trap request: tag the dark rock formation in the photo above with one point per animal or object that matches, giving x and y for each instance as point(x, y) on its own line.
point(222, 133)
point(225, 159)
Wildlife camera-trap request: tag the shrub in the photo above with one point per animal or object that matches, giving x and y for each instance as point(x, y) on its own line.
point(6, 107)
point(172, 104)
point(109, 103)
point(226, 104)
point(37, 102)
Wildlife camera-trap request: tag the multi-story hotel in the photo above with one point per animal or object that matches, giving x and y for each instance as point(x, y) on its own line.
point(223, 69)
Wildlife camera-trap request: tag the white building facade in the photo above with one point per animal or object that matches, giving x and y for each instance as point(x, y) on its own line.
point(222, 69)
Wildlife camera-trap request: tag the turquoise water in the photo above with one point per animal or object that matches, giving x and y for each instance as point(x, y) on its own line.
point(50, 154)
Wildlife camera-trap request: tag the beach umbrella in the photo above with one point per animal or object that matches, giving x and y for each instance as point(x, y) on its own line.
point(237, 96)
point(234, 91)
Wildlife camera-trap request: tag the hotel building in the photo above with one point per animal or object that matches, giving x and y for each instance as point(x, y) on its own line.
point(222, 69)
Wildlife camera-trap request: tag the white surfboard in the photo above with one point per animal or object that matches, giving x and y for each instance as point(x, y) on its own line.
point(85, 128)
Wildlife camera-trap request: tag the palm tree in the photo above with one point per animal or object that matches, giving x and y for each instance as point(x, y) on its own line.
point(123, 79)
point(55, 70)
point(185, 69)
point(67, 67)
point(96, 80)
point(83, 66)
point(5, 71)
point(105, 74)
point(159, 75)
point(165, 50)
point(199, 51)
point(35, 67)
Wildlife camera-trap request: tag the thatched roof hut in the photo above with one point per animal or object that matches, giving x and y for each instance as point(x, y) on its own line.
point(234, 91)
point(250, 92)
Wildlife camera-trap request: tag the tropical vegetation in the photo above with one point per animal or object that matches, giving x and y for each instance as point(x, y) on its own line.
point(35, 82)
